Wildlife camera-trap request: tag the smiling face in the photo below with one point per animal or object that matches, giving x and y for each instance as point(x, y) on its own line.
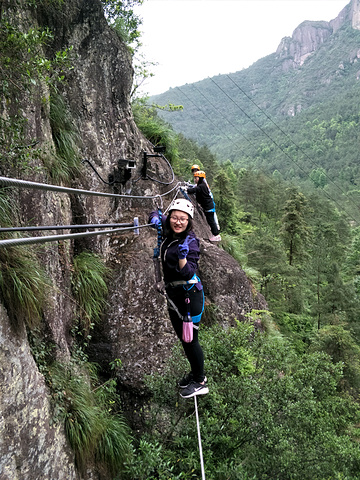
point(178, 221)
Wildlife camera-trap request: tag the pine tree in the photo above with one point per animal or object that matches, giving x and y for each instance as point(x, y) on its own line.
point(294, 229)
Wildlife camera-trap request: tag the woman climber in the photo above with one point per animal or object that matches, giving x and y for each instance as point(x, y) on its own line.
point(180, 254)
point(205, 199)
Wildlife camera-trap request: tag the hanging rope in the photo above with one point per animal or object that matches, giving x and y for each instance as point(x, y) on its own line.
point(85, 160)
point(172, 173)
point(199, 438)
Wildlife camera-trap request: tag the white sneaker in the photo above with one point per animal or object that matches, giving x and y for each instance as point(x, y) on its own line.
point(215, 238)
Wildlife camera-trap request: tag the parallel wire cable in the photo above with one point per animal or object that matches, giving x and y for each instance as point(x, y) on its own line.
point(273, 141)
point(55, 188)
point(258, 126)
point(288, 137)
point(54, 238)
point(218, 111)
point(284, 152)
point(205, 115)
point(63, 227)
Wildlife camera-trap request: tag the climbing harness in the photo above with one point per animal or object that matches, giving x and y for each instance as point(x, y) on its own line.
point(194, 280)
point(183, 282)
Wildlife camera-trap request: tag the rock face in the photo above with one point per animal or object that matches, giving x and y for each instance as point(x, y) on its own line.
point(31, 448)
point(355, 14)
point(135, 326)
point(309, 36)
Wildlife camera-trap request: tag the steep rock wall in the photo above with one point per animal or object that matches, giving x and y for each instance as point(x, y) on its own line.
point(31, 447)
point(135, 326)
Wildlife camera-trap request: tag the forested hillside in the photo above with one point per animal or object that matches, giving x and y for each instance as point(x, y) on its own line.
point(282, 393)
point(280, 151)
point(296, 120)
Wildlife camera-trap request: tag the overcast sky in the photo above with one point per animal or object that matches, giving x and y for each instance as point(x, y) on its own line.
point(195, 39)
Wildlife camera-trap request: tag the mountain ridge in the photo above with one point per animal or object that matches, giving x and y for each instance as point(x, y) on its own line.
point(319, 61)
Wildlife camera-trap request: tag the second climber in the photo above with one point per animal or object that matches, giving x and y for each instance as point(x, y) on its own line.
point(205, 199)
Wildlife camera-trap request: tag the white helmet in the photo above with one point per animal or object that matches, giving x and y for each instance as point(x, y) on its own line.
point(183, 206)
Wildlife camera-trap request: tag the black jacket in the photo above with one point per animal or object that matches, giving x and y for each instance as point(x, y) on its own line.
point(203, 195)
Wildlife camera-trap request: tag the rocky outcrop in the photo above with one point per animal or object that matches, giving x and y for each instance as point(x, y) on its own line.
point(355, 14)
point(135, 326)
point(310, 35)
point(343, 17)
point(307, 38)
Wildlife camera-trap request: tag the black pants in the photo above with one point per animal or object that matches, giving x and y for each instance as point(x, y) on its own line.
point(210, 217)
point(193, 350)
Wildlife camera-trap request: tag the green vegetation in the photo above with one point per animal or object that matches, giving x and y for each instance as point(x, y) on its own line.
point(301, 125)
point(90, 412)
point(23, 281)
point(271, 414)
point(89, 288)
point(23, 284)
point(25, 74)
point(283, 403)
point(65, 164)
point(126, 23)
point(156, 130)
point(121, 16)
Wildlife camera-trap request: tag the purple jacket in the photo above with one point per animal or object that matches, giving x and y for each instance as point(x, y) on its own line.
point(169, 255)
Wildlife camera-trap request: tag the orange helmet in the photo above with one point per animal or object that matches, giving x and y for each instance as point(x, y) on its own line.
point(200, 173)
point(195, 167)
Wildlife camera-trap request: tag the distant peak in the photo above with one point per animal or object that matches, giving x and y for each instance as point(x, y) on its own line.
point(310, 35)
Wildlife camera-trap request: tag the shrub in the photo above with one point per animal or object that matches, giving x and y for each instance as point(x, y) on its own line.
point(95, 433)
point(23, 281)
point(89, 287)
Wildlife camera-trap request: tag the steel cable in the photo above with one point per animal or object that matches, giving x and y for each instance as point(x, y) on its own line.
point(56, 188)
point(53, 238)
point(63, 227)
